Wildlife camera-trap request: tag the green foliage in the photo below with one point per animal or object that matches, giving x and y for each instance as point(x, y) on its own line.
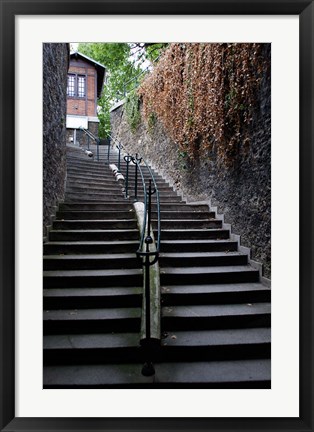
point(120, 71)
point(132, 110)
point(123, 72)
point(153, 51)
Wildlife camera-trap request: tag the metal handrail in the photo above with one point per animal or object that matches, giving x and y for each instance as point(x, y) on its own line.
point(148, 257)
point(91, 135)
point(147, 211)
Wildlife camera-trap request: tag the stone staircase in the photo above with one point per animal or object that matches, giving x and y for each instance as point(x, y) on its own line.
point(215, 315)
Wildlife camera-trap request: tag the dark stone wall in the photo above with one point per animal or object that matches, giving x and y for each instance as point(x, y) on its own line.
point(242, 193)
point(55, 68)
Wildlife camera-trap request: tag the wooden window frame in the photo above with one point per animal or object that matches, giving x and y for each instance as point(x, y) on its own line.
point(76, 94)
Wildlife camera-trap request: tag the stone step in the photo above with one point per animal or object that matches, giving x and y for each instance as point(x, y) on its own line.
point(104, 190)
point(95, 215)
point(94, 235)
point(215, 294)
point(184, 214)
point(92, 278)
point(105, 174)
point(198, 246)
point(119, 214)
point(100, 176)
point(255, 373)
point(108, 179)
point(85, 162)
point(161, 184)
point(106, 261)
point(76, 298)
point(208, 275)
point(86, 186)
point(90, 262)
point(194, 234)
point(91, 320)
point(92, 206)
point(92, 348)
point(89, 179)
point(168, 224)
point(192, 346)
point(190, 259)
point(88, 224)
point(90, 247)
point(206, 317)
point(102, 164)
point(107, 185)
point(85, 169)
point(77, 196)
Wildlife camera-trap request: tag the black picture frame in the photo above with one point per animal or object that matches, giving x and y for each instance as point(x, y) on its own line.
point(8, 10)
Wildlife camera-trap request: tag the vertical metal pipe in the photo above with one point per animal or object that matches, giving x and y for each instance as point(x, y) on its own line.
point(88, 138)
point(135, 179)
point(127, 160)
point(149, 207)
point(108, 149)
point(119, 156)
point(97, 143)
point(147, 293)
point(148, 241)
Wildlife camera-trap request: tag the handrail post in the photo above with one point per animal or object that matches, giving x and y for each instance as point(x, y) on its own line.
point(108, 157)
point(148, 367)
point(97, 143)
point(137, 161)
point(88, 138)
point(127, 159)
point(119, 156)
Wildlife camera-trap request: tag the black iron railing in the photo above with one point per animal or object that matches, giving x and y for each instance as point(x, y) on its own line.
point(98, 141)
point(148, 250)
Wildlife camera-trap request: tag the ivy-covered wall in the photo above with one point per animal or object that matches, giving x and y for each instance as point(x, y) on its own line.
point(55, 68)
point(240, 189)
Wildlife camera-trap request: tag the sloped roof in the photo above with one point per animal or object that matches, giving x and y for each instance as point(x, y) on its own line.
point(101, 69)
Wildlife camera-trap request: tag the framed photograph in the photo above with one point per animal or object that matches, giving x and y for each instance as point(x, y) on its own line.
point(27, 403)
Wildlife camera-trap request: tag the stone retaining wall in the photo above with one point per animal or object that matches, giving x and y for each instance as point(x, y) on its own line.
point(55, 68)
point(242, 193)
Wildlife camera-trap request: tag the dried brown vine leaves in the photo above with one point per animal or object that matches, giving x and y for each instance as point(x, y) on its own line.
point(206, 94)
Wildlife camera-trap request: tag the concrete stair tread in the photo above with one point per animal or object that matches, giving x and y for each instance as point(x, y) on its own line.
point(94, 231)
point(95, 203)
point(97, 216)
point(91, 273)
point(90, 221)
point(192, 230)
point(188, 221)
point(197, 270)
point(196, 241)
point(206, 373)
point(87, 257)
point(214, 288)
point(201, 311)
point(218, 337)
point(198, 254)
point(87, 242)
point(91, 292)
point(186, 339)
point(91, 314)
point(91, 341)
